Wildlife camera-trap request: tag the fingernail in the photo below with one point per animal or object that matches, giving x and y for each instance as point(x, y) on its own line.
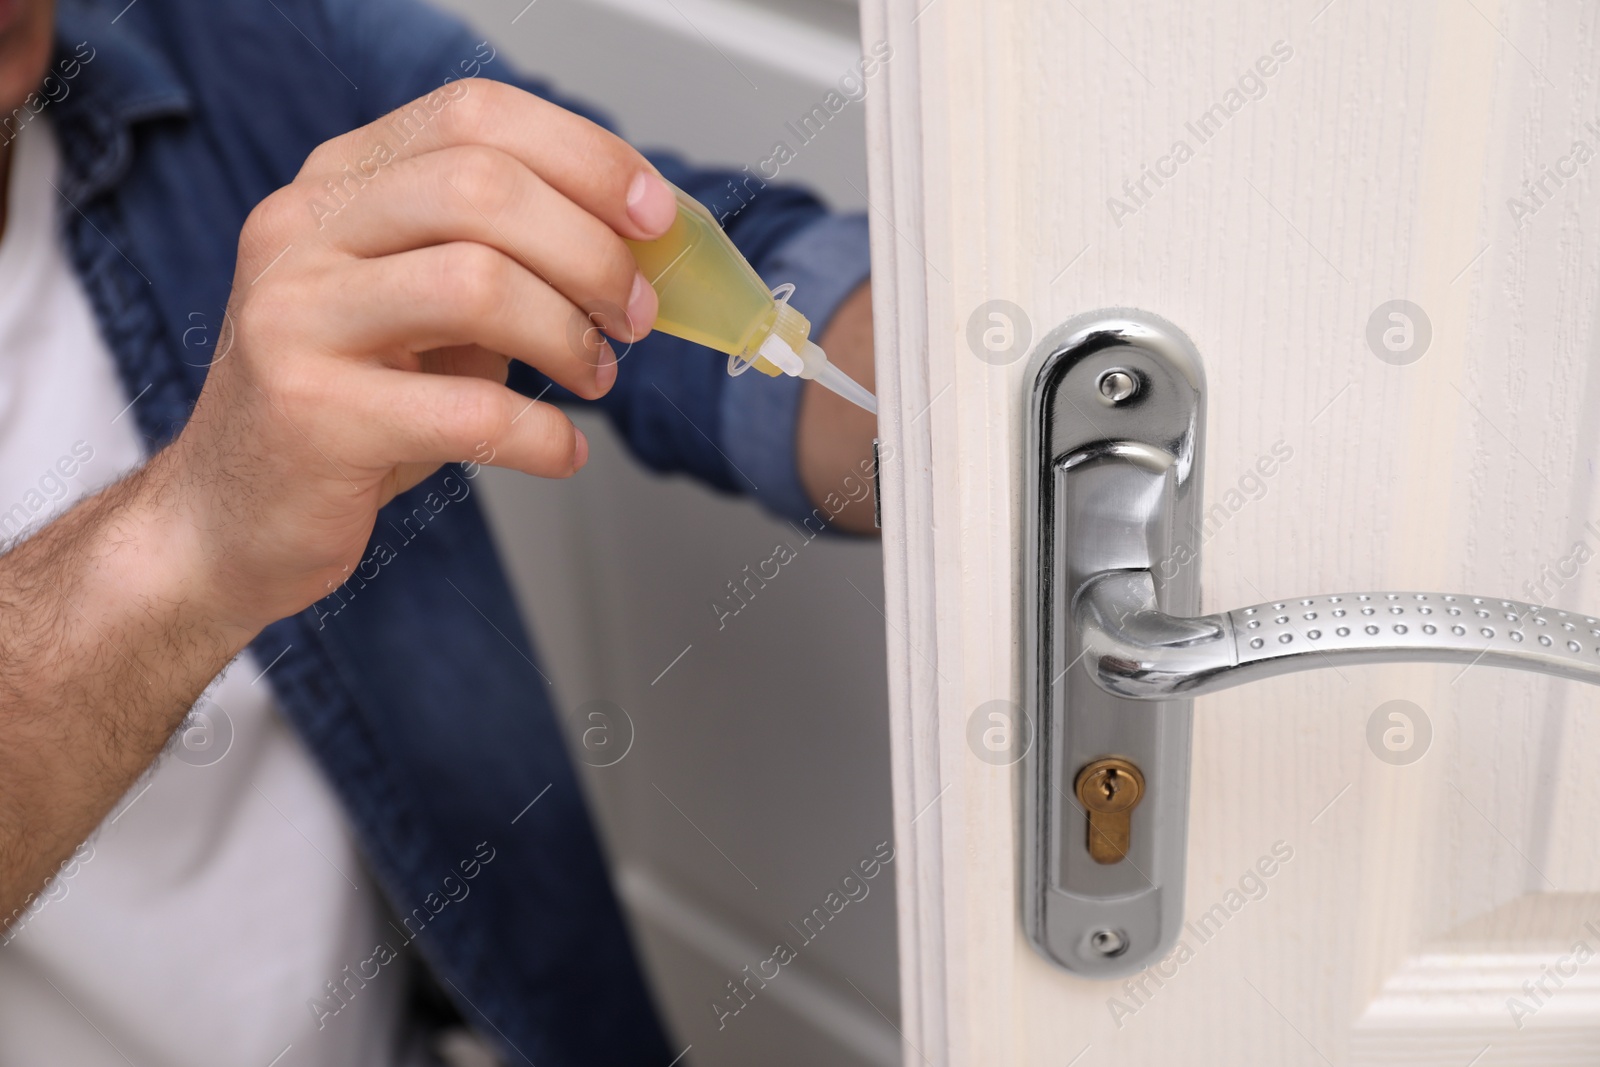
point(642, 307)
point(580, 449)
point(651, 204)
point(605, 375)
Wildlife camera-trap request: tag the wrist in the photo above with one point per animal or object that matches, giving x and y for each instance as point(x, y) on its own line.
point(152, 550)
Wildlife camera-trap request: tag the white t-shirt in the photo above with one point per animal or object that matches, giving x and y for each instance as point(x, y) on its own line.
point(223, 892)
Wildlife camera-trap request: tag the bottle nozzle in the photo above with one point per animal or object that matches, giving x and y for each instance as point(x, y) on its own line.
point(812, 362)
point(837, 381)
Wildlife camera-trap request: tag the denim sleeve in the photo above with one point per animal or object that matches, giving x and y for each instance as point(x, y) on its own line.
point(826, 260)
point(674, 402)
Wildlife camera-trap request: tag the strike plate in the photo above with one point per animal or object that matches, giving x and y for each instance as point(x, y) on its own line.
point(1116, 414)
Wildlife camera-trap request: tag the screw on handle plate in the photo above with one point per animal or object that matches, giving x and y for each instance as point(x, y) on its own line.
point(1109, 789)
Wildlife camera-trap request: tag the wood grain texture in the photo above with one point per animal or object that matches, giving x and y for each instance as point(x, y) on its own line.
point(1375, 163)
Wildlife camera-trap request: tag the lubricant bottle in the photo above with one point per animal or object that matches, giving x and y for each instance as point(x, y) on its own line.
point(710, 294)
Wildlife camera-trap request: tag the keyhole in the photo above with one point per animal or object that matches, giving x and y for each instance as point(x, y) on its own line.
point(1109, 789)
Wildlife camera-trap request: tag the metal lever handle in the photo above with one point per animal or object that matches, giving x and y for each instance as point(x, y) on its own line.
point(1136, 651)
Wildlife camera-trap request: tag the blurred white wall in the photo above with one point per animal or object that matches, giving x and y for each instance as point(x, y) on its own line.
point(758, 773)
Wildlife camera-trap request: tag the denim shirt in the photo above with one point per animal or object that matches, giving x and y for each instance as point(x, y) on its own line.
point(414, 685)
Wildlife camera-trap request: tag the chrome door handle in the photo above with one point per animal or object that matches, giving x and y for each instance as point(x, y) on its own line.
point(1135, 650)
point(1114, 652)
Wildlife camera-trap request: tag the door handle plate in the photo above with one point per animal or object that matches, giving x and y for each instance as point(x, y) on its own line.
point(1113, 468)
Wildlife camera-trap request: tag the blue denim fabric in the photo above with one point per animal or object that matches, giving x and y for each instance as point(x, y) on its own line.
point(825, 262)
point(414, 686)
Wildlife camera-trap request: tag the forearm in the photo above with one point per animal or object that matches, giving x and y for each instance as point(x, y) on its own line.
point(106, 640)
point(352, 371)
point(835, 436)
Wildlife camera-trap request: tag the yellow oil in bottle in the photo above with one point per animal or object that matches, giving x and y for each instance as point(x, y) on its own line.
point(709, 293)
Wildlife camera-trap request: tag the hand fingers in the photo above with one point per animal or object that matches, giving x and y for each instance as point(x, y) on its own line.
point(482, 194)
point(592, 167)
point(404, 419)
point(463, 293)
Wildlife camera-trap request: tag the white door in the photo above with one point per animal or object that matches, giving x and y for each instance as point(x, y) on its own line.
point(1368, 882)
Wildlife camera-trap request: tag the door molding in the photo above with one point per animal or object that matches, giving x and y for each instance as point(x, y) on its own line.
point(910, 543)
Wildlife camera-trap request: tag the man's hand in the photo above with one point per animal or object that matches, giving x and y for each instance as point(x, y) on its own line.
point(367, 342)
point(494, 233)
